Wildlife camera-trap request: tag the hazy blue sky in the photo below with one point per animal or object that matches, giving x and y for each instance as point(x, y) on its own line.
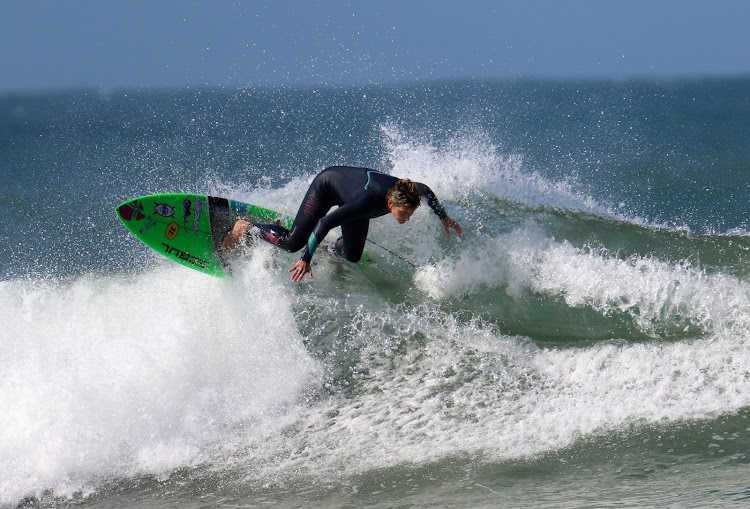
point(63, 44)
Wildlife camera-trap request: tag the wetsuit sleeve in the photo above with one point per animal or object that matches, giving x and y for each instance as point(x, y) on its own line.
point(432, 201)
point(358, 208)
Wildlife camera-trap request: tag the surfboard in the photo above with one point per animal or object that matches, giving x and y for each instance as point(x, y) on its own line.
point(188, 228)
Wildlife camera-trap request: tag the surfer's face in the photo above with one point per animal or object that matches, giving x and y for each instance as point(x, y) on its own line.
point(401, 214)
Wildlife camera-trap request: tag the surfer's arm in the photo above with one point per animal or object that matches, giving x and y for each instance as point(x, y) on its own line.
point(432, 200)
point(448, 223)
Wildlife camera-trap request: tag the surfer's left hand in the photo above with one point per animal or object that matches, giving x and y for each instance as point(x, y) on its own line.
point(449, 224)
point(299, 270)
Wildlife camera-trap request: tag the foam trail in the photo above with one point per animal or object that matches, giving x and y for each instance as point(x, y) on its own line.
point(470, 391)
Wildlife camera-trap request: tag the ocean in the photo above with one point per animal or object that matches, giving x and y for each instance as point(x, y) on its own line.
point(583, 344)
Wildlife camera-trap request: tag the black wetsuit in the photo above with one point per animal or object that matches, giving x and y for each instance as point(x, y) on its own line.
point(360, 194)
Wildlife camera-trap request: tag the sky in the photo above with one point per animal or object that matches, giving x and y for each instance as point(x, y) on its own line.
point(48, 45)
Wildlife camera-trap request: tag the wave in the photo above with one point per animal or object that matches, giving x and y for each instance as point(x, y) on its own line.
point(258, 381)
point(658, 298)
point(557, 319)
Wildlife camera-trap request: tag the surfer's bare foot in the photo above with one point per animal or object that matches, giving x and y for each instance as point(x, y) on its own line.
point(234, 237)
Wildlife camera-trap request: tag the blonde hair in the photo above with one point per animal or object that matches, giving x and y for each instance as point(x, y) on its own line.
point(404, 193)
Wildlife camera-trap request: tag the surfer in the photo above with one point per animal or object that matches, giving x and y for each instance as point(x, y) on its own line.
point(361, 194)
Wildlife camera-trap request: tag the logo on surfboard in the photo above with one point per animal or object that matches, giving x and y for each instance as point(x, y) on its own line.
point(164, 210)
point(182, 255)
point(132, 210)
point(186, 206)
point(200, 208)
point(172, 230)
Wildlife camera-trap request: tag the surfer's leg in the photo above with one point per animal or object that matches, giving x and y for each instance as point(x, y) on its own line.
point(272, 233)
point(310, 212)
point(352, 243)
point(314, 207)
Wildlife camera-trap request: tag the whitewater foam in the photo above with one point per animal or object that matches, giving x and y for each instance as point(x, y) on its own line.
point(465, 390)
point(109, 376)
point(657, 295)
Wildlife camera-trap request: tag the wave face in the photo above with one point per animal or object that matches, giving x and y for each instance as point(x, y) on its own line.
point(584, 342)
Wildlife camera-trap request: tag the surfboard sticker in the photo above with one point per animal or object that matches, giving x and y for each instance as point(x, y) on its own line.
point(164, 209)
point(131, 210)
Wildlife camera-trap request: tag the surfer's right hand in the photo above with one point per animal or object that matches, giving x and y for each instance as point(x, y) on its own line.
point(449, 224)
point(299, 270)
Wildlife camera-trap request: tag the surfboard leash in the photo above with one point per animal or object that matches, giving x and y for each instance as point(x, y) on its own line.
point(393, 253)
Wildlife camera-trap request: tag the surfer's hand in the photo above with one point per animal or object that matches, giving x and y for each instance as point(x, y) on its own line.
point(234, 237)
point(299, 270)
point(449, 224)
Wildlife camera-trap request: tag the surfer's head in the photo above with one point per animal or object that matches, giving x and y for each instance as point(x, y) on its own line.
point(403, 199)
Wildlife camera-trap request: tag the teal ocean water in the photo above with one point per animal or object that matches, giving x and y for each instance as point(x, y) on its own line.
point(585, 344)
